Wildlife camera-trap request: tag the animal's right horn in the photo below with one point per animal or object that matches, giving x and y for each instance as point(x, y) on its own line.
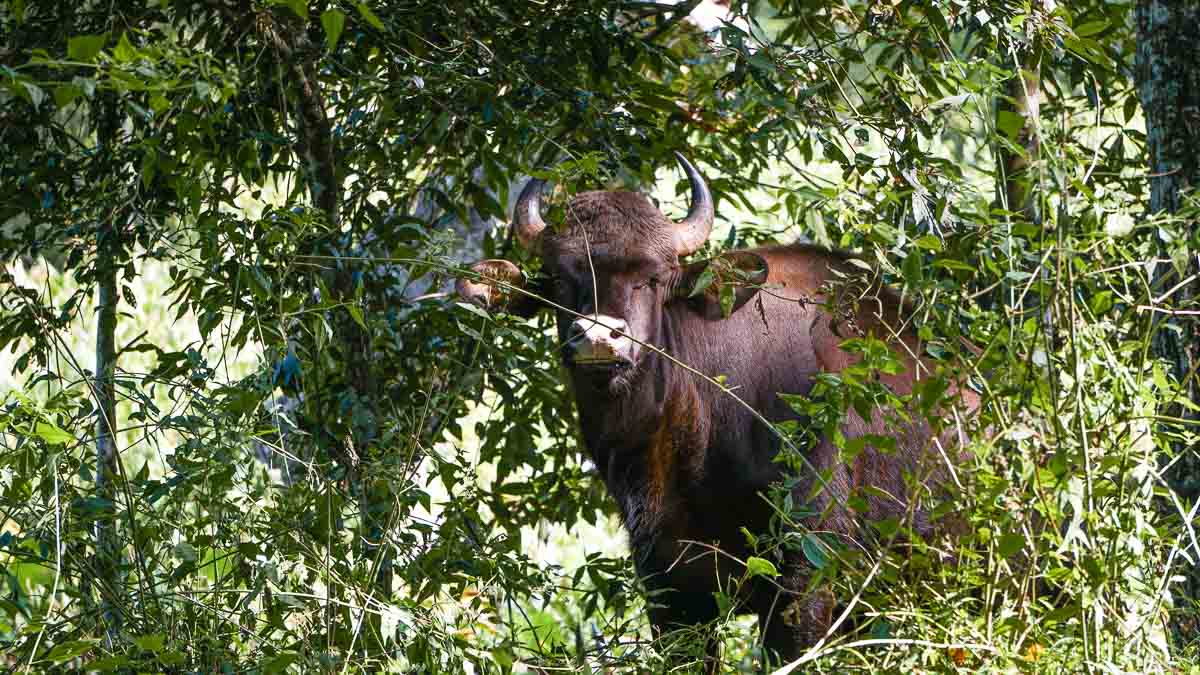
point(527, 216)
point(693, 230)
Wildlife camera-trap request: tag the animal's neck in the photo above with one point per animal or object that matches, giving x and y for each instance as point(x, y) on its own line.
point(648, 438)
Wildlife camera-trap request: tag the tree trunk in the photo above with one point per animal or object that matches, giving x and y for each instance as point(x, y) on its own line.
point(1017, 117)
point(316, 148)
point(1168, 79)
point(1017, 120)
point(1022, 102)
point(107, 574)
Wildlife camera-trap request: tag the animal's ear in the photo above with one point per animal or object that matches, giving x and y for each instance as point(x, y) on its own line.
point(494, 285)
point(719, 286)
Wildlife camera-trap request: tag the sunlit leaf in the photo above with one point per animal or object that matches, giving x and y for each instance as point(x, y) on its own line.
point(52, 434)
point(760, 567)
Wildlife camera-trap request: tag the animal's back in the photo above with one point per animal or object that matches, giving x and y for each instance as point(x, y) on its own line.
point(779, 343)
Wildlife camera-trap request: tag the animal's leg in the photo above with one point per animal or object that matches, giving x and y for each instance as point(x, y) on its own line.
point(794, 620)
point(675, 610)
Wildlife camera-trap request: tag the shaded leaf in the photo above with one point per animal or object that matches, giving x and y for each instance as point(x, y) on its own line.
point(85, 47)
point(333, 21)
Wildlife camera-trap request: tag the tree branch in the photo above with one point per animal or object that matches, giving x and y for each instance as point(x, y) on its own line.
point(316, 134)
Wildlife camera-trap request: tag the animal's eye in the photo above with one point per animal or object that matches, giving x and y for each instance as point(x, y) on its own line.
point(652, 282)
point(560, 285)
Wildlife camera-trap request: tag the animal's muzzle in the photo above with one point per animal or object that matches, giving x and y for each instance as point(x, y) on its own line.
point(599, 340)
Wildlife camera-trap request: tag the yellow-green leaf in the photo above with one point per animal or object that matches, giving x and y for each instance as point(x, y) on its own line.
point(761, 567)
point(727, 297)
point(125, 51)
point(52, 434)
point(929, 242)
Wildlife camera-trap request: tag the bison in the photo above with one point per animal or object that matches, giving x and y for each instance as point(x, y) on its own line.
point(643, 336)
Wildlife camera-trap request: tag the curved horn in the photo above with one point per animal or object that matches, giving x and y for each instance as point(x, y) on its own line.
point(693, 230)
point(527, 216)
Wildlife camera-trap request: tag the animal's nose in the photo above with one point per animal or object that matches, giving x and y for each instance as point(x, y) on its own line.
point(599, 339)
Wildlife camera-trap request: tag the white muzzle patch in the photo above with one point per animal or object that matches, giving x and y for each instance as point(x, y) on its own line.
point(600, 338)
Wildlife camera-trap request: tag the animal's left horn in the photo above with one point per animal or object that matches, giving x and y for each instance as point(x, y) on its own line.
point(527, 216)
point(693, 230)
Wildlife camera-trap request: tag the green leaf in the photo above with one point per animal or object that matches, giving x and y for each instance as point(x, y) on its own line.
point(85, 47)
point(64, 94)
point(369, 16)
point(334, 21)
point(1101, 302)
point(1009, 123)
point(728, 292)
point(357, 315)
point(703, 282)
point(952, 264)
point(159, 103)
point(912, 267)
point(929, 242)
point(66, 651)
point(1091, 28)
point(151, 643)
point(751, 540)
point(814, 550)
point(148, 168)
point(52, 434)
point(298, 7)
point(1086, 49)
point(1009, 544)
point(1130, 108)
point(761, 567)
point(125, 51)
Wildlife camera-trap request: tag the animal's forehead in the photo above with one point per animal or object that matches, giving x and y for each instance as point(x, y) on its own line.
point(610, 258)
point(613, 225)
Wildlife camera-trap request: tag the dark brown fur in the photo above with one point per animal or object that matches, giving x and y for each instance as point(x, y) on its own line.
point(687, 462)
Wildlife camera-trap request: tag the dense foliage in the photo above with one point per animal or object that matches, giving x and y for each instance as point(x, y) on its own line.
point(248, 210)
